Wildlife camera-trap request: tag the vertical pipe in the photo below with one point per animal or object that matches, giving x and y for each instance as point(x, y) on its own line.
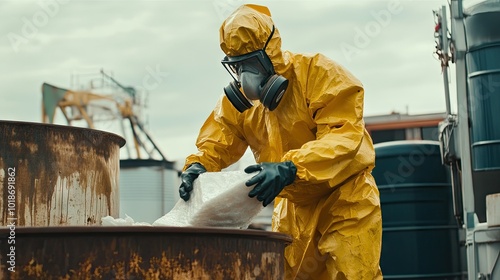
point(445, 48)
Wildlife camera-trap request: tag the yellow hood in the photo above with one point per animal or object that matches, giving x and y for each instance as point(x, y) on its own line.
point(247, 29)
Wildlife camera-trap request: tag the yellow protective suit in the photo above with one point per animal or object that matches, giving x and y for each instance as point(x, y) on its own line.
point(332, 210)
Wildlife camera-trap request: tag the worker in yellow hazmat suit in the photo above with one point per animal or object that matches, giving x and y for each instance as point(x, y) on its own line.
point(302, 117)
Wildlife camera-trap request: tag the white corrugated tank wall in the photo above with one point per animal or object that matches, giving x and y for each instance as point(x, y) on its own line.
point(148, 189)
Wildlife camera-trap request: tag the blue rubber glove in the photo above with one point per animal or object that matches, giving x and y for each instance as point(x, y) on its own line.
point(188, 177)
point(271, 179)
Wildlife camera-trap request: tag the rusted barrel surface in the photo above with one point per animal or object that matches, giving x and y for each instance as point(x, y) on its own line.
point(135, 252)
point(57, 175)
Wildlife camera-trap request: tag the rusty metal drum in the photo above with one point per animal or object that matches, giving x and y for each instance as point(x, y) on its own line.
point(143, 252)
point(55, 175)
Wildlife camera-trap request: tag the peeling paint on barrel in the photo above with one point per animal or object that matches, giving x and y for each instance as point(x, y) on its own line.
point(63, 175)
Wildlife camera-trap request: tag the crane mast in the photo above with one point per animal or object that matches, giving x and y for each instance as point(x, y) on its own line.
point(110, 101)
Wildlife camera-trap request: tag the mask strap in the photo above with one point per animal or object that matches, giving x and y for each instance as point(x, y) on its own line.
point(269, 39)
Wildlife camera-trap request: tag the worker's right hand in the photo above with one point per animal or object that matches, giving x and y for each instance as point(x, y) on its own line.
point(188, 177)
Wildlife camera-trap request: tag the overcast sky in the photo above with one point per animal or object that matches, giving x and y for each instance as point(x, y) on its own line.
point(171, 49)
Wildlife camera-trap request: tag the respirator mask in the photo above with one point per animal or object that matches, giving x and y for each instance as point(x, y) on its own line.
point(254, 74)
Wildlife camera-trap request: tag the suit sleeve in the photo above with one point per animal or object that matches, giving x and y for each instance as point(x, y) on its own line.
point(219, 141)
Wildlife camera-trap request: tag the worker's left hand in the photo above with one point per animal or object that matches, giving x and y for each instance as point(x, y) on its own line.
point(271, 179)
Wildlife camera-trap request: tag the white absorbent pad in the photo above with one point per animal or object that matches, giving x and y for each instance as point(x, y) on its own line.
point(218, 199)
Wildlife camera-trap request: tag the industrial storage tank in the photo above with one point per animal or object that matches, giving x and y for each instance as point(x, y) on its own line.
point(148, 188)
point(54, 175)
point(483, 70)
point(482, 34)
point(421, 238)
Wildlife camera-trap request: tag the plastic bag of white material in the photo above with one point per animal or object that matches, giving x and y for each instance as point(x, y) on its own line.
point(218, 199)
point(127, 221)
